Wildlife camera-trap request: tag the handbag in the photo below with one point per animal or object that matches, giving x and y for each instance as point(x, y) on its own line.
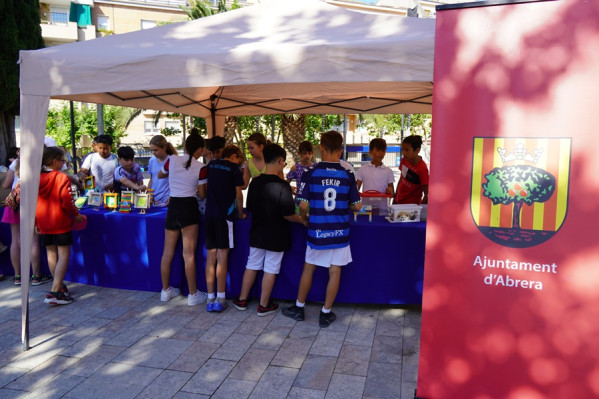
point(13, 199)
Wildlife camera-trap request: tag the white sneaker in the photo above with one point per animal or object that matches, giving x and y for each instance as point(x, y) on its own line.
point(169, 294)
point(197, 298)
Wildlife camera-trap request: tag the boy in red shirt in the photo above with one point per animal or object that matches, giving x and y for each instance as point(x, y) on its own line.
point(54, 218)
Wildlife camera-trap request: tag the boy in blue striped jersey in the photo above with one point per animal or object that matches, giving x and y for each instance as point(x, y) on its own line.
point(331, 193)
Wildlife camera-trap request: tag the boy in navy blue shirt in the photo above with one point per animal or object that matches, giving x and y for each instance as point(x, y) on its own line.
point(331, 192)
point(224, 200)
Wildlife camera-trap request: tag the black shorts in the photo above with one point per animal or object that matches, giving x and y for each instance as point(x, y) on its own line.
point(219, 233)
point(57, 239)
point(181, 212)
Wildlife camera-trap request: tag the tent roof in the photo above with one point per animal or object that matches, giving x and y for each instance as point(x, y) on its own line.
point(283, 56)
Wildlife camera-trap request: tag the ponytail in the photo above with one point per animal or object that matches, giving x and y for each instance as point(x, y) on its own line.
point(193, 142)
point(160, 141)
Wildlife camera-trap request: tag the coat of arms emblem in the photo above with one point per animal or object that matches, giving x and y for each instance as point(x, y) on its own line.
point(519, 194)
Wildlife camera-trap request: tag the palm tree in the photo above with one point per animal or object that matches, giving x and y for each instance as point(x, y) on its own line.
point(293, 127)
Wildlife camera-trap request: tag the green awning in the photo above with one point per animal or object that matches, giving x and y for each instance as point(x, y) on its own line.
point(80, 13)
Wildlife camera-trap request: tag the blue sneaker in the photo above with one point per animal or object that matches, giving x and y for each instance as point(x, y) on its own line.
point(219, 305)
point(210, 305)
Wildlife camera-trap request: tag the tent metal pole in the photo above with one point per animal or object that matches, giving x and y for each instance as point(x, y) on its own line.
point(213, 113)
point(73, 144)
point(257, 124)
point(344, 137)
point(184, 129)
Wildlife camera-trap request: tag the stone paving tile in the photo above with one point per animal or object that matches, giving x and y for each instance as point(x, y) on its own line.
point(275, 383)
point(203, 320)
point(345, 387)
point(10, 374)
point(220, 332)
point(254, 325)
point(39, 376)
point(360, 334)
point(94, 361)
point(390, 327)
point(194, 357)
point(293, 352)
point(56, 388)
point(234, 347)
point(131, 334)
point(209, 377)
point(327, 343)
point(253, 364)
point(272, 337)
point(84, 347)
point(370, 351)
point(115, 380)
point(41, 353)
point(383, 380)
point(386, 349)
point(189, 395)
point(166, 385)
point(304, 330)
point(153, 352)
point(316, 372)
point(231, 388)
point(189, 334)
point(353, 360)
point(11, 393)
point(305, 393)
point(170, 327)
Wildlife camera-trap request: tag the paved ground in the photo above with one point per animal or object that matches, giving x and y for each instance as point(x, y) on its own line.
point(127, 344)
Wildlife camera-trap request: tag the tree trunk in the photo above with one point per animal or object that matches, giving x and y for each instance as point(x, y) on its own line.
point(100, 113)
point(7, 135)
point(294, 132)
point(231, 127)
point(516, 215)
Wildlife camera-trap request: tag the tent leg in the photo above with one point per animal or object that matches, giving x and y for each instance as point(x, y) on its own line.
point(25, 332)
point(73, 144)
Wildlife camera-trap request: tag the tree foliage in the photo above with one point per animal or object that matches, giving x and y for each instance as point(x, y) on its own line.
point(519, 185)
point(58, 124)
point(19, 30)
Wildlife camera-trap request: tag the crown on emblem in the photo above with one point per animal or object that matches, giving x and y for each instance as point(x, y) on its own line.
point(520, 153)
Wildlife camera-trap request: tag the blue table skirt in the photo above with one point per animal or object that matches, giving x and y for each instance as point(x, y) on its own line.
point(123, 251)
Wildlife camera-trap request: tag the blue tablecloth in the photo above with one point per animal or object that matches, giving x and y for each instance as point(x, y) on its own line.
point(123, 251)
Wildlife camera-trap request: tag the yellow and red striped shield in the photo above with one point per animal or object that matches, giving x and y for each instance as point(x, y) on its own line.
point(504, 173)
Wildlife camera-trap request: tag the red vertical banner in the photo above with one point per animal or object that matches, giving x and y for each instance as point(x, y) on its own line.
point(511, 297)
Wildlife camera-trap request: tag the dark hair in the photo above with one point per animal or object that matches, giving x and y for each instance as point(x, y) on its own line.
point(415, 141)
point(272, 153)
point(305, 146)
point(192, 143)
point(331, 141)
point(104, 139)
point(12, 152)
point(50, 154)
point(378, 144)
point(125, 152)
point(257, 138)
point(160, 141)
point(216, 143)
point(230, 150)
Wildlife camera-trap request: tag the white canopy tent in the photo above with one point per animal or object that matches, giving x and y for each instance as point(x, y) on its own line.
point(280, 56)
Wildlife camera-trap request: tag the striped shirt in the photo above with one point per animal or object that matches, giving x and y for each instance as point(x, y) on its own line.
point(329, 189)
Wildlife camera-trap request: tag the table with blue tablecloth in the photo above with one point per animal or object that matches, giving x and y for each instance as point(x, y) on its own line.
point(123, 250)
